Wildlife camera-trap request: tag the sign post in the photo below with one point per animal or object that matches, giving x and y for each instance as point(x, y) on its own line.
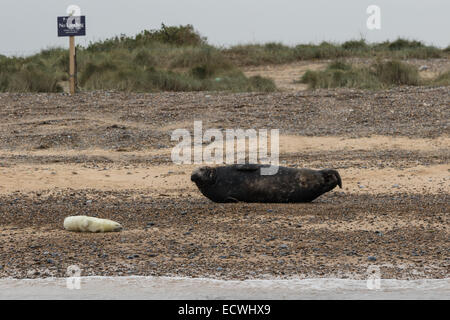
point(72, 70)
point(72, 26)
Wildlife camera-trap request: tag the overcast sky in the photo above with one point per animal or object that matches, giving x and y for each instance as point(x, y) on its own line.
point(27, 26)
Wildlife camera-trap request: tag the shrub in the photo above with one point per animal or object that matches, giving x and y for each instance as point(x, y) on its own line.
point(179, 36)
point(93, 68)
point(396, 73)
point(339, 65)
point(179, 58)
point(258, 83)
point(442, 80)
point(325, 50)
point(33, 78)
point(380, 75)
point(335, 78)
point(197, 56)
point(143, 57)
point(171, 35)
point(256, 54)
point(401, 44)
point(355, 45)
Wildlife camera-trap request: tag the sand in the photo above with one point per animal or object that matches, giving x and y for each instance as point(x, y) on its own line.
point(176, 288)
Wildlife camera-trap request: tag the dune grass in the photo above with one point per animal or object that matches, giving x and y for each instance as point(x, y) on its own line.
point(39, 73)
point(277, 53)
point(380, 75)
point(186, 68)
point(180, 59)
point(442, 80)
point(168, 59)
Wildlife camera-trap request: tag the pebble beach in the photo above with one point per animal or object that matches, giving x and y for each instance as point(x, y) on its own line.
point(108, 155)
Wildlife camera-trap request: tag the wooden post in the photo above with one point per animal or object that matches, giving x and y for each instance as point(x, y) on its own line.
point(72, 64)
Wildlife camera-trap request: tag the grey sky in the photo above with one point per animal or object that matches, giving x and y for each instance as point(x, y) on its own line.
point(27, 26)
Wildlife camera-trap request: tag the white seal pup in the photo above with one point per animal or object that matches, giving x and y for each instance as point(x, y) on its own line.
point(90, 224)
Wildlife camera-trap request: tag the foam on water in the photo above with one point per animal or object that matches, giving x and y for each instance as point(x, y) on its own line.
point(205, 288)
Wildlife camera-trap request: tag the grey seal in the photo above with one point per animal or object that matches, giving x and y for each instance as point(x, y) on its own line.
point(244, 183)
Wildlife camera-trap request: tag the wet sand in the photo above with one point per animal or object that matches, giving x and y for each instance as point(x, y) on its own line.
point(154, 288)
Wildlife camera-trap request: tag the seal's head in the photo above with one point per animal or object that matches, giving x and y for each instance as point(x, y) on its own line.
point(331, 178)
point(116, 227)
point(204, 176)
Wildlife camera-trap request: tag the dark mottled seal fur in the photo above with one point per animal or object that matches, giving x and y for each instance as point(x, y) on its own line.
point(244, 183)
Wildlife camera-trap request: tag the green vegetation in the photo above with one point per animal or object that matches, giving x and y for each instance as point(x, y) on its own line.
point(164, 68)
point(34, 74)
point(442, 80)
point(175, 36)
point(275, 53)
point(168, 59)
point(180, 59)
point(379, 75)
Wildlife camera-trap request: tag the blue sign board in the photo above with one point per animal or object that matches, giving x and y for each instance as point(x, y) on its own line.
point(71, 26)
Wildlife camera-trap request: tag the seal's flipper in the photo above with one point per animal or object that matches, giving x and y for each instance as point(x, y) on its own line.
point(231, 199)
